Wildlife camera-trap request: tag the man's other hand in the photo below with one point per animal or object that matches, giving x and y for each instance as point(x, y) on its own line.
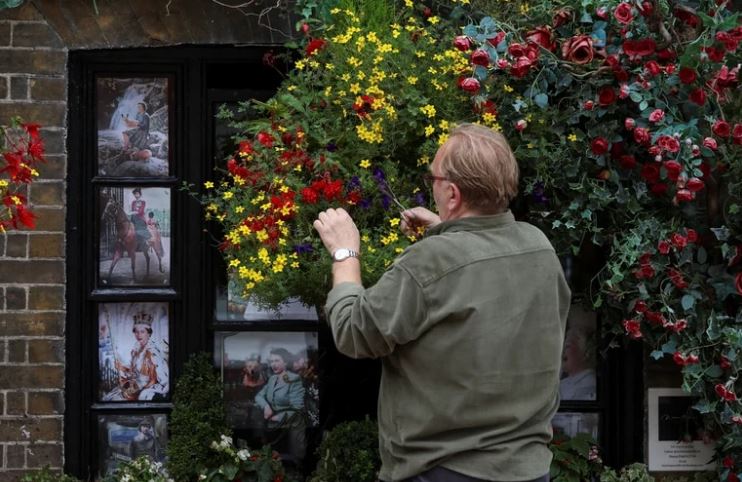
point(337, 230)
point(416, 220)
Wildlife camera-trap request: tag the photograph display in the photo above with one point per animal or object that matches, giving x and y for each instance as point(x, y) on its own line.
point(122, 438)
point(271, 386)
point(572, 423)
point(133, 126)
point(135, 236)
point(579, 356)
point(133, 352)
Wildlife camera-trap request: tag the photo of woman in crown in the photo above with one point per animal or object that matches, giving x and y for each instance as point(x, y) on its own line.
point(133, 352)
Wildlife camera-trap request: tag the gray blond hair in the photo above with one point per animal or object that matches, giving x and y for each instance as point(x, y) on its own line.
point(480, 162)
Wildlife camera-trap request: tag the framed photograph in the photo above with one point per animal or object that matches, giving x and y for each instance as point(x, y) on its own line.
point(122, 438)
point(572, 423)
point(271, 386)
point(133, 352)
point(677, 439)
point(231, 305)
point(135, 236)
point(133, 124)
point(579, 356)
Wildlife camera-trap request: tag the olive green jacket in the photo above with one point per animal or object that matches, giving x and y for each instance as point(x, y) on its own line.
point(470, 323)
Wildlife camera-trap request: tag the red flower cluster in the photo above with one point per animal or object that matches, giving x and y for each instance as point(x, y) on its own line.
point(724, 393)
point(684, 360)
point(633, 328)
point(22, 152)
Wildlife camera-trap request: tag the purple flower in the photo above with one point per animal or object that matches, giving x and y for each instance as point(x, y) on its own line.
point(365, 203)
point(420, 199)
point(331, 147)
point(386, 201)
point(303, 248)
point(355, 182)
point(538, 193)
point(379, 175)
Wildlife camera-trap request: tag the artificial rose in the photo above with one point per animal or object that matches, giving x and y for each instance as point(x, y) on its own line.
point(680, 325)
point(737, 134)
point(480, 57)
point(684, 195)
point(687, 17)
point(658, 189)
point(724, 393)
point(691, 235)
point(633, 328)
point(646, 9)
point(469, 84)
point(623, 13)
point(588, 105)
point(521, 67)
point(710, 142)
point(601, 13)
point(653, 68)
point(543, 36)
point(676, 277)
point(629, 123)
point(673, 169)
point(520, 125)
point(502, 63)
point(679, 241)
point(578, 49)
point(714, 54)
point(663, 247)
point(668, 143)
point(497, 39)
point(462, 43)
point(687, 75)
point(517, 50)
point(694, 184)
point(599, 146)
point(606, 95)
point(650, 172)
point(639, 48)
point(627, 161)
point(562, 16)
point(698, 96)
point(624, 91)
point(641, 135)
point(721, 128)
point(656, 115)
point(640, 306)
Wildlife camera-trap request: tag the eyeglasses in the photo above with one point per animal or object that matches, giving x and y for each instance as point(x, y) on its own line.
point(429, 179)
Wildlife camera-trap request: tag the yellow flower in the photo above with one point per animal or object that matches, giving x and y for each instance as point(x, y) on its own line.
point(572, 137)
point(228, 195)
point(434, 20)
point(209, 185)
point(239, 209)
point(442, 139)
point(408, 3)
point(423, 161)
point(428, 110)
point(412, 80)
point(234, 263)
point(507, 88)
point(365, 164)
point(429, 130)
point(394, 222)
point(300, 64)
point(295, 264)
point(355, 88)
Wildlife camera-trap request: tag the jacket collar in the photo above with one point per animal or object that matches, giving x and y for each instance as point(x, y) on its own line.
point(473, 223)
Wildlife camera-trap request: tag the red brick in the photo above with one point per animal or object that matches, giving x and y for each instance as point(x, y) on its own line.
point(46, 114)
point(16, 456)
point(39, 429)
point(48, 88)
point(16, 354)
point(35, 35)
point(39, 455)
point(45, 351)
point(4, 34)
point(55, 166)
point(15, 298)
point(46, 298)
point(31, 324)
point(24, 376)
point(49, 219)
point(47, 62)
point(15, 403)
point(45, 403)
point(47, 194)
point(34, 271)
point(46, 245)
point(53, 143)
point(19, 87)
point(16, 245)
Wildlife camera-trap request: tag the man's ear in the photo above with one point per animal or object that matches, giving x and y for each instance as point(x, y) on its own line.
point(454, 201)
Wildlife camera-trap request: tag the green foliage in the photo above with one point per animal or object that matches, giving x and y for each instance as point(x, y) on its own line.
point(575, 459)
point(197, 418)
point(47, 475)
point(630, 473)
point(10, 3)
point(141, 469)
point(262, 465)
point(350, 451)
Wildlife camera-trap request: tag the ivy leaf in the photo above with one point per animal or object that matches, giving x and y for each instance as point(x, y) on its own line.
point(636, 97)
point(713, 329)
point(688, 301)
point(731, 354)
point(643, 105)
point(702, 255)
point(705, 406)
point(657, 354)
point(714, 371)
point(670, 347)
point(722, 233)
point(470, 30)
point(541, 100)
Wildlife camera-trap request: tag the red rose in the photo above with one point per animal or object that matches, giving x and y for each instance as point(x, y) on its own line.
point(714, 54)
point(728, 462)
point(678, 358)
point(653, 68)
point(542, 36)
point(663, 247)
point(462, 43)
point(520, 125)
point(639, 48)
point(469, 84)
point(480, 57)
point(640, 306)
point(599, 146)
point(521, 67)
point(668, 143)
point(562, 16)
point(265, 139)
point(656, 115)
point(588, 105)
point(738, 283)
point(687, 75)
point(309, 195)
point(629, 123)
point(314, 45)
point(627, 161)
point(710, 142)
point(684, 195)
point(517, 50)
point(646, 9)
point(737, 134)
point(633, 328)
point(724, 363)
point(721, 128)
point(698, 96)
point(623, 14)
point(623, 91)
point(691, 235)
point(724, 393)
point(680, 325)
point(679, 240)
point(687, 17)
point(578, 49)
point(658, 189)
point(650, 172)
point(606, 95)
point(676, 277)
point(694, 184)
point(641, 135)
point(495, 41)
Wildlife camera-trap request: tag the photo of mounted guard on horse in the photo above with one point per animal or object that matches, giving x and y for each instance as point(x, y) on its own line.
point(135, 223)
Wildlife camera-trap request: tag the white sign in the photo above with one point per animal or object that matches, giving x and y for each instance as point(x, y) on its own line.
point(677, 438)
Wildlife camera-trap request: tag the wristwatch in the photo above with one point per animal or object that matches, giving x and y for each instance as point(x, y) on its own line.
point(341, 254)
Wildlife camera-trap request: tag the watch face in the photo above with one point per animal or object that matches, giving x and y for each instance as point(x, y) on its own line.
point(341, 254)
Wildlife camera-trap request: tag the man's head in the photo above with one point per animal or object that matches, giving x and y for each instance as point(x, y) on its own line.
point(479, 170)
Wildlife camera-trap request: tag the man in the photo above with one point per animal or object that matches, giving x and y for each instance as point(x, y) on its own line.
point(469, 322)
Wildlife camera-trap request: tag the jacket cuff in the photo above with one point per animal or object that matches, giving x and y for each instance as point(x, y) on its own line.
point(343, 290)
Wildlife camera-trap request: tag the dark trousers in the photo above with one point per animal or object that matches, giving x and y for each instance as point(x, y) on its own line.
point(442, 474)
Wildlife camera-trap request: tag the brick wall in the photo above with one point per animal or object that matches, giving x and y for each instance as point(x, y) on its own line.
point(32, 291)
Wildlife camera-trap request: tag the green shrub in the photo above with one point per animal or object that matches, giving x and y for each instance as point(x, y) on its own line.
point(196, 420)
point(631, 473)
point(47, 475)
point(349, 451)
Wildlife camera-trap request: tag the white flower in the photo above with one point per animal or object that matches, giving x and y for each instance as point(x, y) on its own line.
point(243, 454)
point(126, 478)
point(202, 476)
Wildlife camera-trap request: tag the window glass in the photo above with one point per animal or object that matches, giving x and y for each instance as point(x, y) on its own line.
point(572, 423)
point(578, 379)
